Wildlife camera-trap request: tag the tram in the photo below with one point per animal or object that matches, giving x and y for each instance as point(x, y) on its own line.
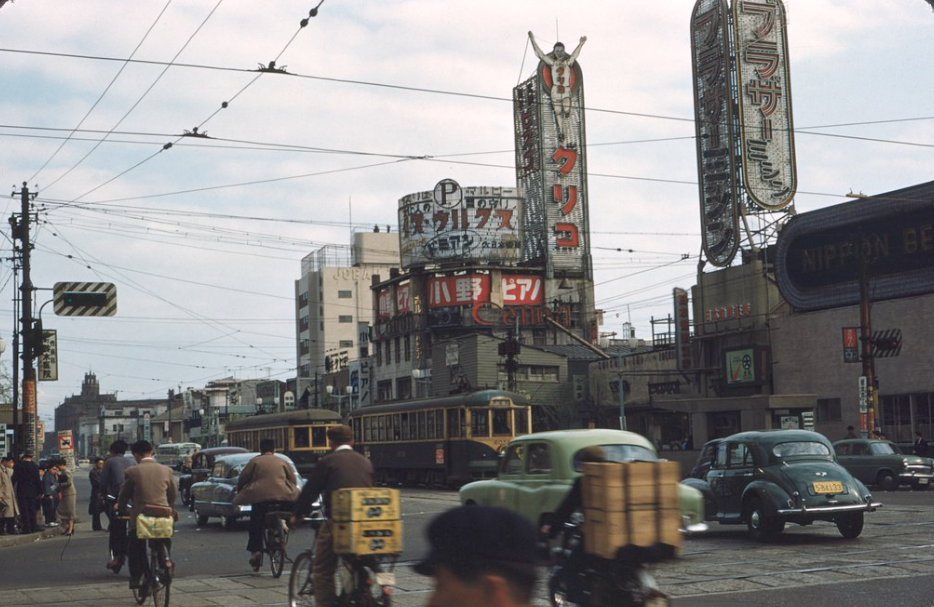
point(301, 434)
point(442, 441)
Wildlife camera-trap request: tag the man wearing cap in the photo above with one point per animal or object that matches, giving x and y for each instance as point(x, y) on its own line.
point(344, 468)
point(481, 556)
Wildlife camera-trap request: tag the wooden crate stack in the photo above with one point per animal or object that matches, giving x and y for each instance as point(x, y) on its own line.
point(633, 504)
point(366, 521)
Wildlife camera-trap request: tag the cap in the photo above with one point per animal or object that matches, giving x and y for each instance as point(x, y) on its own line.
point(340, 434)
point(469, 538)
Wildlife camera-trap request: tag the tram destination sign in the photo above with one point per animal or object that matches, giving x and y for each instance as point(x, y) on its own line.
point(821, 255)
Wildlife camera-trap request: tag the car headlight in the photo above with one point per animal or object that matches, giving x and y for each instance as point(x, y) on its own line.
point(246, 508)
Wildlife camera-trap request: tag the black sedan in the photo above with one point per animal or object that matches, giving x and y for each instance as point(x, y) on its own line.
point(214, 496)
point(766, 479)
point(202, 463)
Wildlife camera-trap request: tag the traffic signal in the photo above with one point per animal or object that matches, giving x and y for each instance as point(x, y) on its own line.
point(35, 345)
point(84, 299)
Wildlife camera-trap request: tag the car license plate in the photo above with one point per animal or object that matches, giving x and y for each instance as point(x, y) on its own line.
point(923, 481)
point(386, 578)
point(828, 487)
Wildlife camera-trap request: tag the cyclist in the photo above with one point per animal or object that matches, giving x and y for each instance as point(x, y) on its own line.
point(481, 556)
point(265, 482)
point(151, 487)
point(344, 468)
point(112, 475)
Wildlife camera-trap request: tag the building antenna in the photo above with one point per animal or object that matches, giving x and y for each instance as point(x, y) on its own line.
point(557, 34)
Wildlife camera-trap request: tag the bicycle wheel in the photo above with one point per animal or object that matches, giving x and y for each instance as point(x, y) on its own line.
point(301, 581)
point(276, 546)
point(142, 593)
point(160, 589)
point(368, 591)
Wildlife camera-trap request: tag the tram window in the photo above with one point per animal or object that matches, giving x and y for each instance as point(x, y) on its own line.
point(501, 422)
point(439, 425)
point(422, 432)
point(319, 436)
point(367, 429)
point(480, 422)
point(405, 426)
point(396, 427)
point(382, 427)
point(300, 438)
point(454, 428)
point(522, 421)
point(413, 426)
point(430, 420)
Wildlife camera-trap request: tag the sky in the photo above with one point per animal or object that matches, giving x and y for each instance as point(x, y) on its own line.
point(204, 238)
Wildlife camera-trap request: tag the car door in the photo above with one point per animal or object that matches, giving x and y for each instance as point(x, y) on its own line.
point(511, 473)
point(860, 463)
point(532, 489)
point(732, 472)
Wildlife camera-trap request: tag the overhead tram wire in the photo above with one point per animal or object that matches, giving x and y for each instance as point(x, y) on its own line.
point(99, 99)
point(224, 105)
point(134, 106)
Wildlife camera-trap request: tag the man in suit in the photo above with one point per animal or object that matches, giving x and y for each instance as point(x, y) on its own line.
point(112, 475)
point(265, 482)
point(28, 489)
point(921, 445)
point(344, 468)
point(151, 487)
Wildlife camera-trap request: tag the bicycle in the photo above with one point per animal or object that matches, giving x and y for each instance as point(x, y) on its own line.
point(157, 580)
point(360, 581)
point(275, 539)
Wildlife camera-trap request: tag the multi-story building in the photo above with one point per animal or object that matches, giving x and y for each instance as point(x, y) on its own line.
point(334, 306)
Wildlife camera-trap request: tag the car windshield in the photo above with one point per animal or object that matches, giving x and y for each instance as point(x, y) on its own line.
point(620, 453)
point(882, 449)
point(800, 449)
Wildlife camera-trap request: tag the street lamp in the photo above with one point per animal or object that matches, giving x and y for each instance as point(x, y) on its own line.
point(340, 397)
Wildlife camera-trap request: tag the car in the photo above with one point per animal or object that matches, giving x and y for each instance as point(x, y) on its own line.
point(537, 470)
point(707, 454)
point(214, 495)
point(84, 462)
point(882, 464)
point(765, 479)
point(201, 465)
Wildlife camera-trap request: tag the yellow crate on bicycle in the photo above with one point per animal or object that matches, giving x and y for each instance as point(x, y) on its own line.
point(367, 537)
point(365, 505)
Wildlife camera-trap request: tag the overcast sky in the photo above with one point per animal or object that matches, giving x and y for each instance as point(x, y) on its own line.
point(204, 239)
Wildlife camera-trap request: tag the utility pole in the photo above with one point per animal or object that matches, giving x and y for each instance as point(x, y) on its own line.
point(32, 339)
point(866, 417)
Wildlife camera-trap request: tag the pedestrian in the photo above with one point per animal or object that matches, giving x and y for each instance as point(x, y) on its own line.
point(344, 468)
point(112, 476)
point(921, 445)
point(50, 494)
point(28, 490)
point(96, 501)
point(9, 509)
point(850, 432)
point(68, 502)
point(481, 556)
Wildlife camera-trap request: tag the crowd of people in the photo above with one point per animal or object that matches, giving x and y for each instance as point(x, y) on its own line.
point(479, 555)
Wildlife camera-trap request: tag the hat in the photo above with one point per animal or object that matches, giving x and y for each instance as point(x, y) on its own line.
point(340, 434)
point(469, 538)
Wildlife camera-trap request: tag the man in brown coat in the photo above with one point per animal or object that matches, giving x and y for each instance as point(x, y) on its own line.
point(265, 482)
point(342, 469)
point(151, 487)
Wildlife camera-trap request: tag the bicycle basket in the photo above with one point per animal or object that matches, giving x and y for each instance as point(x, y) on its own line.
point(154, 527)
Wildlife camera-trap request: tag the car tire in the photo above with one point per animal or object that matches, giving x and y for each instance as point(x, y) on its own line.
point(887, 481)
point(761, 527)
point(202, 519)
point(186, 497)
point(228, 522)
point(850, 525)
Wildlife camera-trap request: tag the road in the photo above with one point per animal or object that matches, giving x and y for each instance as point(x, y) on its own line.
point(892, 562)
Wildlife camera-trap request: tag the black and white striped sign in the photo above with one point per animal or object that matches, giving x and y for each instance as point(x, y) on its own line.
point(85, 299)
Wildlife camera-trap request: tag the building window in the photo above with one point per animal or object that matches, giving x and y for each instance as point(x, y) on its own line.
point(379, 356)
point(404, 387)
point(398, 349)
point(345, 318)
point(407, 346)
point(346, 343)
point(388, 352)
point(384, 390)
point(828, 410)
point(344, 294)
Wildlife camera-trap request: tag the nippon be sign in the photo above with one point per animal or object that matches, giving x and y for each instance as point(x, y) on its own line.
point(85, 299)
point(851, 344)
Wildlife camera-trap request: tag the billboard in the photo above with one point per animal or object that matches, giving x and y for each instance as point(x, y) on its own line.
point(466, 290)
point(766, 130)
point(821, 254)
point(713, 113)
point(455, 224)
point(551, 166)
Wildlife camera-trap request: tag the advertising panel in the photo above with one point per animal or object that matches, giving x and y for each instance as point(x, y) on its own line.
point(713, 113)
point(523, 290)
point(457, 224)
point(48, 362)
point(821, 254)
point(403, 298)
point(766, 130)
point(464, 290)
point(682, 330)
point(384, 303)
point(551, 160)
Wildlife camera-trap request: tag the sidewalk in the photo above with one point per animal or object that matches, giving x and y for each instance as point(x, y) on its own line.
point(17, 540)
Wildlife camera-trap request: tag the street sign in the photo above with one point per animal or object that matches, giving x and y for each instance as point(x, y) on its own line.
point(863, 394)
point(85, 299)
point(3, 442)
point(886, 343)
point(807, 419)
point(48, 361)
point(850, 345)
